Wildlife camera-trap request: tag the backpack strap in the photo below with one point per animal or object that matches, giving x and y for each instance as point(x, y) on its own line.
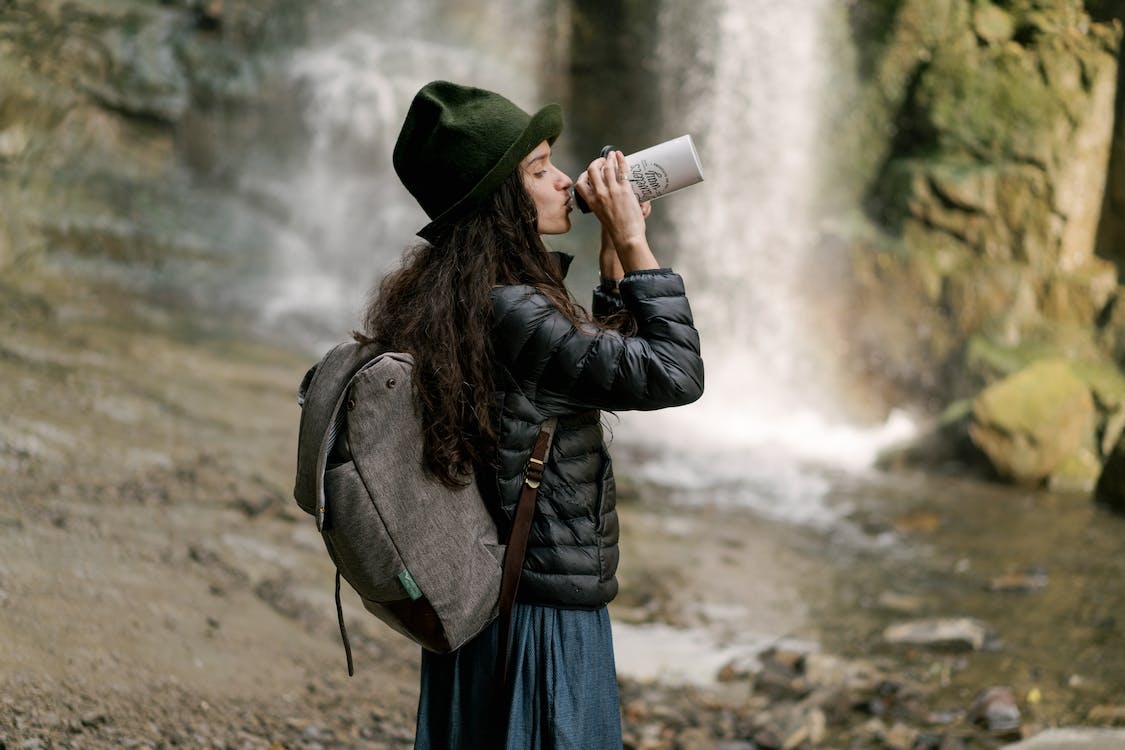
point(321, 396)
point(517, 549)
point(343, 627)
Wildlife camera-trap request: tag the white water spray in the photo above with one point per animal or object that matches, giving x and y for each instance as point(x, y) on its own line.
point(749, 78)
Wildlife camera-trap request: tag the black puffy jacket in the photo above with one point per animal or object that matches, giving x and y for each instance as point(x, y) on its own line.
point(545, 367)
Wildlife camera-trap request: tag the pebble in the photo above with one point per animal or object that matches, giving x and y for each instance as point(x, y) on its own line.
point(902, 604)
point(782, 674)
point(811, 701)
point(900, 737)
point(942, 632)
point(1020, 582)
point(995, 709)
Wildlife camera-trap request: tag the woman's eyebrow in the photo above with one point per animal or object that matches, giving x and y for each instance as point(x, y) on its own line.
point(532, 160)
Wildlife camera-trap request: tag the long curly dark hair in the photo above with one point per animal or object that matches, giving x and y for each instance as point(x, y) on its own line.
point(438, 307)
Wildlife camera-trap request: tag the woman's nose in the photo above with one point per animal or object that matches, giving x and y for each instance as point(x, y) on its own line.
point(564, 181)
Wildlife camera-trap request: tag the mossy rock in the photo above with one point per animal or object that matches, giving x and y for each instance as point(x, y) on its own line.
point(1106, 383)
point(997, 298)
point(994, 104)
point(993, 24)
point(991, 361)
point(1031, 422)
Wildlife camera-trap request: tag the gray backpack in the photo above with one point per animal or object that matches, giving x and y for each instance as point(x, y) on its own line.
point(424, 558)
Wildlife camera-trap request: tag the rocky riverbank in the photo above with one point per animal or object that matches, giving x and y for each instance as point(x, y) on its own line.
point(158, 587)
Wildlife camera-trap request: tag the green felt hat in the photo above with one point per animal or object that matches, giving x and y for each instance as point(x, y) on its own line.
point(458, 143)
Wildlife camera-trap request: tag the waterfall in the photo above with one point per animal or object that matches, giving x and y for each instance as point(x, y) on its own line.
point(750, 79)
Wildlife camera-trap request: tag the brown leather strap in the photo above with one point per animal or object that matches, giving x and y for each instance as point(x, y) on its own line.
point(514, 554)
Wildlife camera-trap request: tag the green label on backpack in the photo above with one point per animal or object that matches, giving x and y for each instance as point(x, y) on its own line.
point(408, 583)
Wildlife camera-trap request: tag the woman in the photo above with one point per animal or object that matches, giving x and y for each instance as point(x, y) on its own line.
point(499, 347)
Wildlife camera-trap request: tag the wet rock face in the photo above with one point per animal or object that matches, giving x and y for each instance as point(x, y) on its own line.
point(1003, 187)
point(101, 103)
point(1002, 120)
point(1005, 133)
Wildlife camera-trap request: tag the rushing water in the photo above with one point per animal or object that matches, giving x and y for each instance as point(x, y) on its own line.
point(752, 82)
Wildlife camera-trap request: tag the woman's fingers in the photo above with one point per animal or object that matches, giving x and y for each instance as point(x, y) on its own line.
point(607, 175)
point(606, 189)
point(621, 167)
point(597, 171)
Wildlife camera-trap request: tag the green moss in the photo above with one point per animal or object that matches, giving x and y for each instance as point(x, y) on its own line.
point(1105, 381)
point(955, 413)
point(1032, 400)
point(992, 105)
point(993, 360)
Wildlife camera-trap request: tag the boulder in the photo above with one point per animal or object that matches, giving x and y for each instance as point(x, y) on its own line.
point(1033, 421)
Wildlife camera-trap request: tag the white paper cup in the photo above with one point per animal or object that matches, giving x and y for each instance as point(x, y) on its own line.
point(659, 170)
point(664, 168)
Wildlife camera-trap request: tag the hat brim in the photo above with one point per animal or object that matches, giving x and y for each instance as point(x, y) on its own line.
point(545, 125)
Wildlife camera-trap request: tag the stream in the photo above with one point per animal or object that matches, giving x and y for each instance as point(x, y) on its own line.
point(1042, 572)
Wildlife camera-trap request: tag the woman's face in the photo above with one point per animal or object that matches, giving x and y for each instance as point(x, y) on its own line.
point(549, 188)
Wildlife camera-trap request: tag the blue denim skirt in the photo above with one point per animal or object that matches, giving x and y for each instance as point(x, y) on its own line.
point(562, 692)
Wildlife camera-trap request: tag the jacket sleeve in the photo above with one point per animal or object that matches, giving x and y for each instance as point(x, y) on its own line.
point(607, 301)
point(562, 367)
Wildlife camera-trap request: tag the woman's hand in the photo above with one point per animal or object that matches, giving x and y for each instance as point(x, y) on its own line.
point(606, 189)
point(608, 262)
